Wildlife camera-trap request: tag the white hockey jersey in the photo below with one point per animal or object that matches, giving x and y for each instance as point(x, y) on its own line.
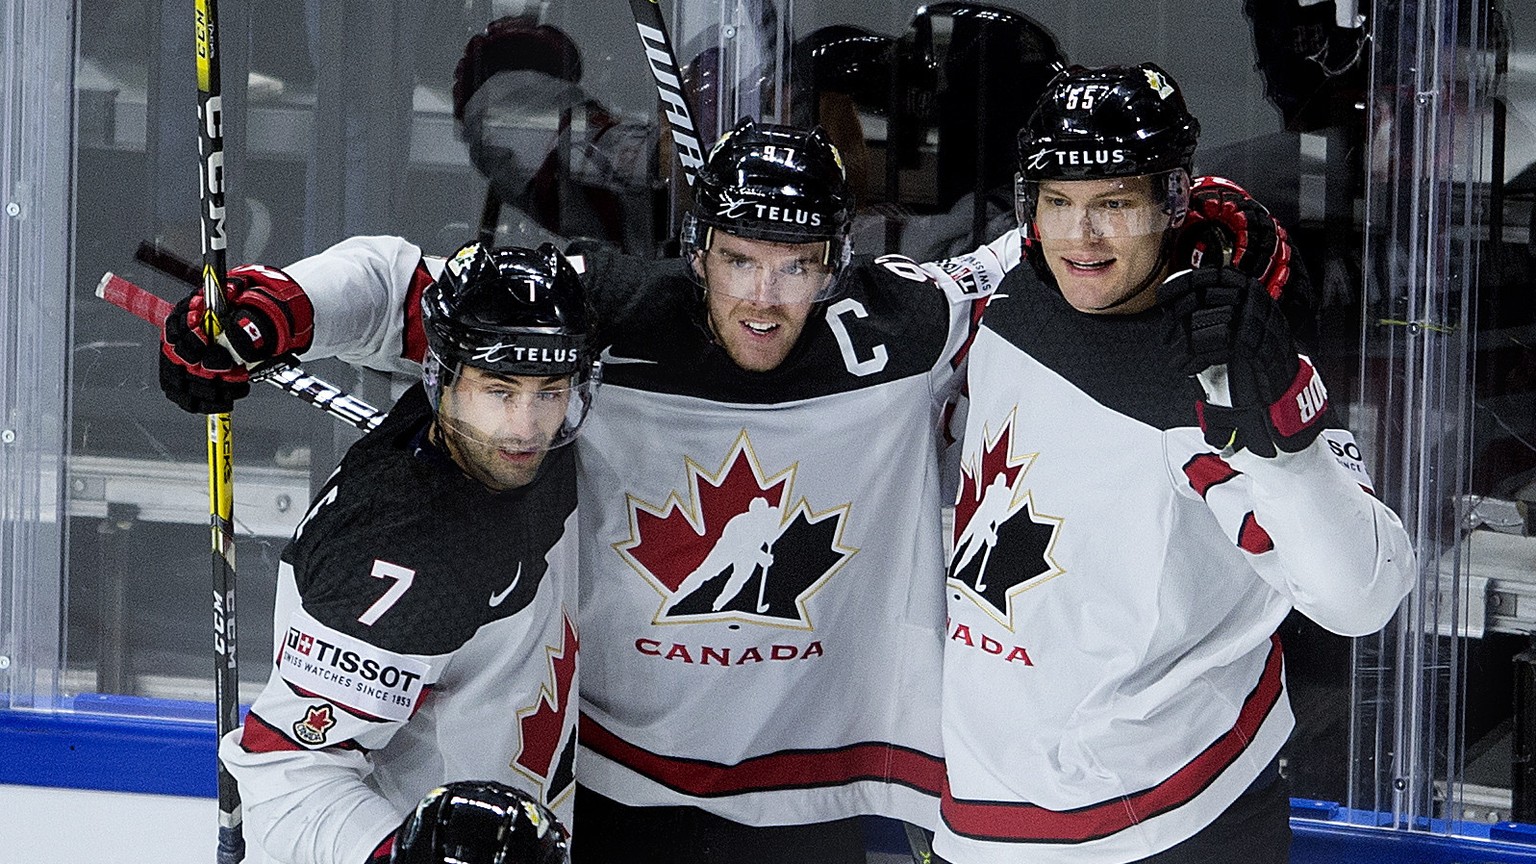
point(1113, 680)
point(425, 631)
point(761, 590)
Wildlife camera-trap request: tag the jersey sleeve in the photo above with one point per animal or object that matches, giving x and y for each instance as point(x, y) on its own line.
point(1308, 525)
point(301, 755)
point(967, 281)
point(366, 292)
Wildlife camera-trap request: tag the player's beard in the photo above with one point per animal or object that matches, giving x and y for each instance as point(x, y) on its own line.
point(499, 464)
point(732, 322)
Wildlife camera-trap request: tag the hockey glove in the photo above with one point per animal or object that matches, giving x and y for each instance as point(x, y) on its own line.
point(1254, 242)
point(266, 315)
point(1219, 317)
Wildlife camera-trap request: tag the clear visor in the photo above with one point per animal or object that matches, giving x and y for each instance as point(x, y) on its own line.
point(1102, 208)
point(511, 414)
point(765, 272)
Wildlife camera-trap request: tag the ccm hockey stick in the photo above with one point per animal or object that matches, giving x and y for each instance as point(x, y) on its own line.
point(221, 466)
point(669, 86)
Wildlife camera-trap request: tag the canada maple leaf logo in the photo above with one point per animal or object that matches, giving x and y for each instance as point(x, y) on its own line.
point(318, 719)
point(997, 555)
point(737, 544)
point(548, 754)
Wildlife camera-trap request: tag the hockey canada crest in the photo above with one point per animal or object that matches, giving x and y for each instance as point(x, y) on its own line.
point(548, 752)
point(1002, 545)
point(736, 544)
point(318, 720)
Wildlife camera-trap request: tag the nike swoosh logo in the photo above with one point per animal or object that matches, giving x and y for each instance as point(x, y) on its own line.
point(609, 357)
point(502, 594)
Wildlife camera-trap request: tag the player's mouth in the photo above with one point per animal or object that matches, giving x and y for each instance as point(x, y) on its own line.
point(759, 329)
point(517, 457)
point(1087, 266)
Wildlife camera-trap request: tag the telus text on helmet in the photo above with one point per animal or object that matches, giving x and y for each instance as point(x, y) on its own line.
point(500, 353)
point(735, 209)
point(1050, 156)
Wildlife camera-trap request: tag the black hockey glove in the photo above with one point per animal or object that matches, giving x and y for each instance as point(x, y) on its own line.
point(1221, 317)
point(267, 315)
point(476, 822)
point(1254, 242)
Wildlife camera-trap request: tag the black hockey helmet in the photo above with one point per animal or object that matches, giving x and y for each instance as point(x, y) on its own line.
point(1113, 121)
point(511, 311)
point(773, 183)
point(1108, 123)
point(480, 822)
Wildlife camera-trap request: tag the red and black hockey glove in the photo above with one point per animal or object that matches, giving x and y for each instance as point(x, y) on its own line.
point(476, 822)
point(266, 315)
point(1255, 243)
point(1221, 317)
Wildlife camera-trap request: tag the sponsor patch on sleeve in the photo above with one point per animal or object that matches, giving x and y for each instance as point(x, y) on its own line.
point(1341, 442)
point(350, 672)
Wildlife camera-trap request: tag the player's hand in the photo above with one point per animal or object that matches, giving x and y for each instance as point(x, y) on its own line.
point(266, 315)
point(476, 822)
point(1220, 317)
point(1253, 241)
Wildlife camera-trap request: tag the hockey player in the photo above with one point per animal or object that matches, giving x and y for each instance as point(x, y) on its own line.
point(1114, 688)
point(480, 822)
point(742, 714)
point(425, 615)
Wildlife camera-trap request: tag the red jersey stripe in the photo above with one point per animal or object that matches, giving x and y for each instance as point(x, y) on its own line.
point(789, 769)
point(1028, 823)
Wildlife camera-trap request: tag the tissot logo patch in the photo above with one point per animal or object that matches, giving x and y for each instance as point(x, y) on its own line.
point(1002, 545)
point(736, 544)
point(350, 672)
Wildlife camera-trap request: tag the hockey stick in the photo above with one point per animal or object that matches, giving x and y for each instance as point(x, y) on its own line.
point(490, 215)
point(669, 86)
point(280, 373)
point(221, 466)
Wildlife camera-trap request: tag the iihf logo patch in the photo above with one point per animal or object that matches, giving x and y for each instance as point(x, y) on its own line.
point(318, 720)
point(1002, 545)
point(735, 545)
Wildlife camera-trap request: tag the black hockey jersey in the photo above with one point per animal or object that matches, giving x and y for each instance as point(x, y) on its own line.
point(425, 631)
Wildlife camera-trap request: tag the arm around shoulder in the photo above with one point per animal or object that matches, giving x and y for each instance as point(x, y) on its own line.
point(364, 290)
